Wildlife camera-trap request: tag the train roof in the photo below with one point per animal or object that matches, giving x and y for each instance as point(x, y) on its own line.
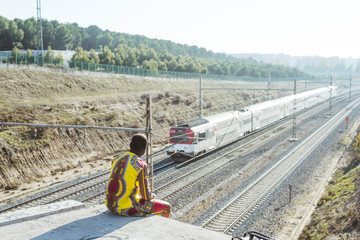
point(227, 115)
point(261, 105)
point(194, 123)
point(245, 111)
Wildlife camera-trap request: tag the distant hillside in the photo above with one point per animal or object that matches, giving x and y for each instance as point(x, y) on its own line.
point(310, 64)
point(23, 35)
point(95, 45)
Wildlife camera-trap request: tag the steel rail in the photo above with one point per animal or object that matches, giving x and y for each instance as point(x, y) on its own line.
point(296, 163)
point(221, 165)
point(62, 188)
point(256, 202)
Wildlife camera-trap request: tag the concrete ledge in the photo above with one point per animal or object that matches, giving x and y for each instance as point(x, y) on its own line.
point(40, 211)
point(96, 222)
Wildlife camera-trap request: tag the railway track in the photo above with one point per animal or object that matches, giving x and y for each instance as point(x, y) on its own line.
point(177, 186)
point(261, 133)
point(239, 208)
point(86, 189)
point(92, 188)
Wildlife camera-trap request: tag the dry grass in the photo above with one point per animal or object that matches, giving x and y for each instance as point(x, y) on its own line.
point(34, 96)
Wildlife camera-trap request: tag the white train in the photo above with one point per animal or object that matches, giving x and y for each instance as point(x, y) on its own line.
point(201, 135)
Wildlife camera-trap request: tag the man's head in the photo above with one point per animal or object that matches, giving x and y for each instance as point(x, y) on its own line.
point(138, 144)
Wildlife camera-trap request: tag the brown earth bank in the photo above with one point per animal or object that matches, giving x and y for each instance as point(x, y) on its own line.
point(35, 96)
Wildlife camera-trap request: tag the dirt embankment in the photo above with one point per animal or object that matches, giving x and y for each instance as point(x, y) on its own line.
point(34, 96)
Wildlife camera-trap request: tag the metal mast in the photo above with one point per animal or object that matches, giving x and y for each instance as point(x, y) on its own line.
point(330, 105)
point(39, 29)
point(350, 90)
point(268, 93)
point(293, 139)
point(200, 98)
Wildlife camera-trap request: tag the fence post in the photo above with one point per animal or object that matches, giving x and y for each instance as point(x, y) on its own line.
point(148, 135)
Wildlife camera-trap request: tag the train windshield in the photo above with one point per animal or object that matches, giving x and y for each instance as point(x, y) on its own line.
point(179, 138)
point(181, 135)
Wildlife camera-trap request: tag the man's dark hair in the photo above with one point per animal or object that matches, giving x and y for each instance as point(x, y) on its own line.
point(138, 142)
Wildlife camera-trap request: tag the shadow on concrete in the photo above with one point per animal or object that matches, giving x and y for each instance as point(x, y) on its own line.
point(92, 228)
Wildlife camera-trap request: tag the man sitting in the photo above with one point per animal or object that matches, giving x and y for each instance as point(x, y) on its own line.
point(128, 192)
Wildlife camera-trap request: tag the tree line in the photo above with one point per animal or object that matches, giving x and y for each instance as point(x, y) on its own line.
point(131, 50)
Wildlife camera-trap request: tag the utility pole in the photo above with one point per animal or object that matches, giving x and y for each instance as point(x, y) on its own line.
point(268, 88)
point(40, 45)
point(148, 130)
point(293, 139)
point(350, 90)
point(200, 99)
point(330, 104)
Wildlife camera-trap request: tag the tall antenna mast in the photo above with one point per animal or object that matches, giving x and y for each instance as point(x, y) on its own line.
point(40, 44)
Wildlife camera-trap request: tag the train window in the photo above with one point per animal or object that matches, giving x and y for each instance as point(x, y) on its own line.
point(202, 136)
point(195, 140)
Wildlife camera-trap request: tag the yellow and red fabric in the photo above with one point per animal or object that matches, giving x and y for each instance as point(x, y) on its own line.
point(128, 192)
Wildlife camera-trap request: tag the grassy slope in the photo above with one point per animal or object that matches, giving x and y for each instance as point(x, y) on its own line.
point(337, 215)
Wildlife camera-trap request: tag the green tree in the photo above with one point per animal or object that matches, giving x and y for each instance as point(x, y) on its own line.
point(29, 56)
point(92, 34)
point(106, 39)
point(215, 69)
point(4, 39)
point(120, 54)
point(49, 56)
point(15, 56)
point(15, 34)
point(30, 39)
point(150, 64)
point(62, 37)
point(106, 56)
point(141, 54)
point(80, 55)
point(48, 33)
point(172, 65)
point(76, 38)
point(166, 57)
point(130, 59)
point(161, 66)
point(243, 71)
point(93, 56)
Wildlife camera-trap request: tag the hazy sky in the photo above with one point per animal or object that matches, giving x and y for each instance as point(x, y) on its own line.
point(296, 27)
